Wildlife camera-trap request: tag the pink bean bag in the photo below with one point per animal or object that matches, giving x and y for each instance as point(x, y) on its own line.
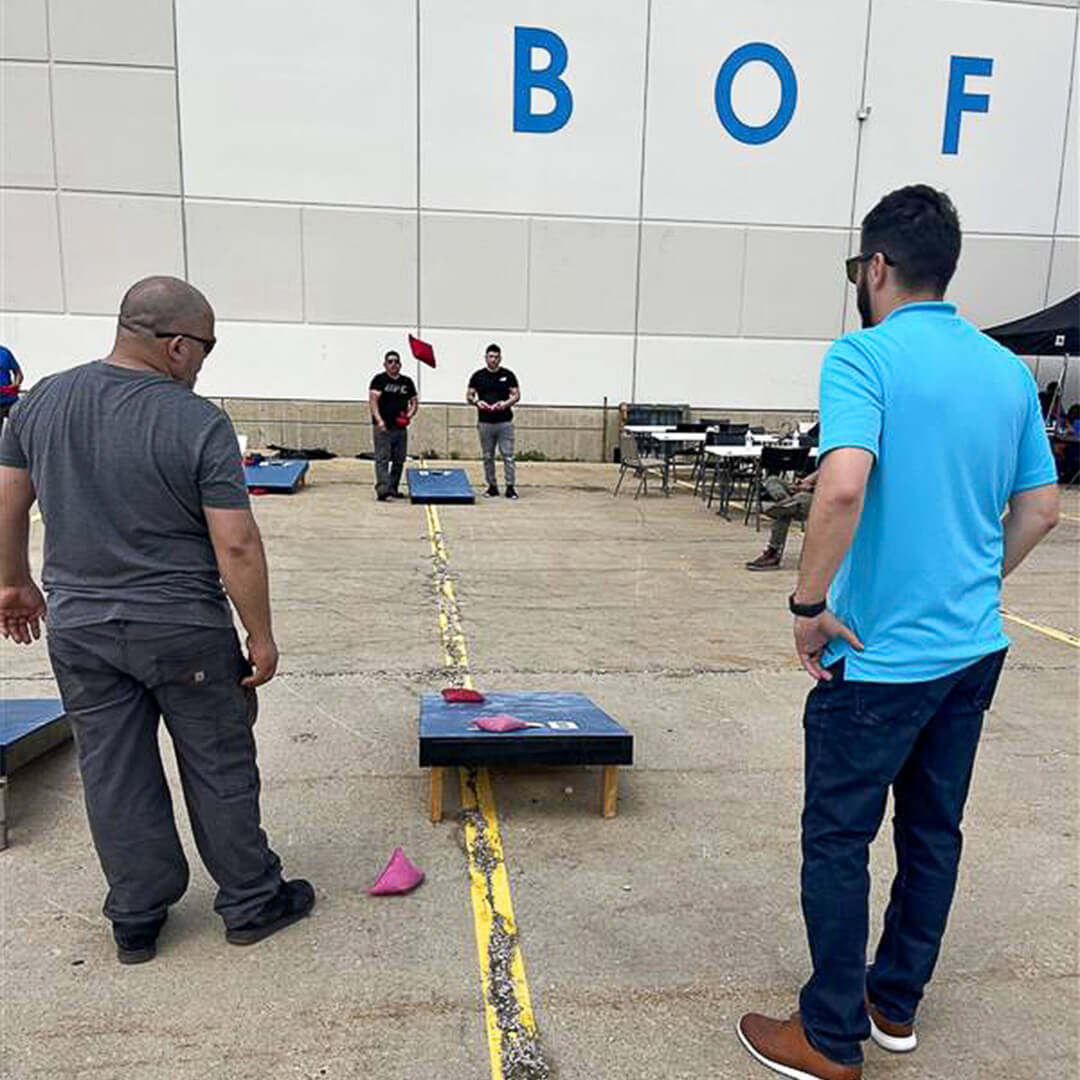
point(399, 876)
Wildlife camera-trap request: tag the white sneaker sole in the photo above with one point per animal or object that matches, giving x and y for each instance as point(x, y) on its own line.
point(783, 1070)
point(895, 1044)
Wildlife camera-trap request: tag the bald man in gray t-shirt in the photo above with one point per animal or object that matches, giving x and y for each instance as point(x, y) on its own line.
point(147, 528)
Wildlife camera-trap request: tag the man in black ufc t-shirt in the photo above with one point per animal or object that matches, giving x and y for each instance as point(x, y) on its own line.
point(493, 390)
point(393, 402)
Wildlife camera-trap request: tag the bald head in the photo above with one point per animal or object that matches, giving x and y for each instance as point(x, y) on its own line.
point(162, 303)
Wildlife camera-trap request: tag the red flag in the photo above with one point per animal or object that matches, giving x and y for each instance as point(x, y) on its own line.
point(422, 351)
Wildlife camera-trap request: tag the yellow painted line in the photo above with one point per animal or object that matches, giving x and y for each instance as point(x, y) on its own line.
point(487, 907)
point(1048, 631)
point(36, 517)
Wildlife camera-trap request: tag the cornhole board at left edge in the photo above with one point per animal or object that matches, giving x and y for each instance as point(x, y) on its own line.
point(572, 731)
point(439, 486)
point(28, 728)
point(277, 476)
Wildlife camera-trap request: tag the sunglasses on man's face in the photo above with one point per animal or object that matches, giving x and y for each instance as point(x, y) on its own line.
point(207, 343)
point(852, 264)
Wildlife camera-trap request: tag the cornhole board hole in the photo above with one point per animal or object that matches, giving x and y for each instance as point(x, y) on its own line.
point(278, 476)
point(28, 728)
point(573, 731)
point(439, 486)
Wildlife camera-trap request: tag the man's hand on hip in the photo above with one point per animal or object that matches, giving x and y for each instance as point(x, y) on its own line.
point(263, 656)
point(813, 635)
point(22, 607)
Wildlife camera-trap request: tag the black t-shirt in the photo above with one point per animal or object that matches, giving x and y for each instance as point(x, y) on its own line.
point(490, 387)
point(394, 396)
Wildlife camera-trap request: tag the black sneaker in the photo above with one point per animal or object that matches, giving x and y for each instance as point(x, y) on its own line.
point(384, 497)
point(136, 942)
point(491, 492)
point(292, 902)
point(398, 495)
point(511, 493)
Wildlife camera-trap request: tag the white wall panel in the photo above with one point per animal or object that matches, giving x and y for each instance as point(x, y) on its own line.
point(794, 283)
point(23, 32)
point(112, 31)
point(26, 158)
point(111, 241)
point(29, 252)
point(116, 129)
point(246, 259)
point(1004, 178)
point(303, 103)
point(475, 270)
point(359, 266)
point(1000, 278)
point(471, 157)
point(696, 169)
point(730, 373)
point(691, 279)
point(1069, 208)
point(553, 369)
point(46, 344)
point(581, 275)
point(1064, 269)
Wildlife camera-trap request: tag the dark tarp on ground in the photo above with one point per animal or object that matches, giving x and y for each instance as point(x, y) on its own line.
point(1052, 332)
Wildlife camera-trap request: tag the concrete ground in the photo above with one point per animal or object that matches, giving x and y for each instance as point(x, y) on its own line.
point(644, 937)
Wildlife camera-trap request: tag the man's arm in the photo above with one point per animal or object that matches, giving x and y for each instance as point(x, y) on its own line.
point(242, 564)
point(513, 397)
point(1032, 514)
point(834, 514)
point(373, 405)
point(413, 406)
point(16, 375)
point(22, 607)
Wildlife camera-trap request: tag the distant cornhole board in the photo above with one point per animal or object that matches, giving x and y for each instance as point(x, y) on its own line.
point(28, 729)
point(570, 730)
point(439, 486)
point(276, 476)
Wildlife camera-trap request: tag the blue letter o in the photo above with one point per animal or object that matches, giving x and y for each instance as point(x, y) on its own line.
point(789, 92)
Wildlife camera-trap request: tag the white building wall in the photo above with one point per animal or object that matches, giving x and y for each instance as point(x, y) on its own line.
point(337, 174)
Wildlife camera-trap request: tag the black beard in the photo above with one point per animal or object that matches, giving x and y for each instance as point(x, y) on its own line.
point(862, 301)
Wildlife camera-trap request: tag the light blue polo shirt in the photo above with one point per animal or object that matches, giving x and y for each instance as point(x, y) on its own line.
point(953, 421)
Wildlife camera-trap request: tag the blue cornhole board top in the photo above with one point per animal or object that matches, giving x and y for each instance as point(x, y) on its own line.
point(575, 731)
point(275, 475)
point(21, 720)
point(439, 486)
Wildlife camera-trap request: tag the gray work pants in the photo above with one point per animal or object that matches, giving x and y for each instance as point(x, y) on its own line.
point(390, 446)
point(117, 679)
point(790, 505)
point(501, 435)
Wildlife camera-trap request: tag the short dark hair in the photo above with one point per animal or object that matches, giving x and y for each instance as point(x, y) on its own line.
point(392, 354)
point(919, 230)
point(493, 348)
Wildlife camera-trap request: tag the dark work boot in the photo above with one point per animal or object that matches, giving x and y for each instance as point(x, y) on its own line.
point(769, 559)
point(292, 902)
point(136, 942)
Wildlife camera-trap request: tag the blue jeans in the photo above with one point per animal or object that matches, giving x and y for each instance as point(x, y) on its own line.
point(862, 738)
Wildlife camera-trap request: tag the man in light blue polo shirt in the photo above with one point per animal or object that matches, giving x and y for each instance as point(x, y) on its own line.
point(897, 618)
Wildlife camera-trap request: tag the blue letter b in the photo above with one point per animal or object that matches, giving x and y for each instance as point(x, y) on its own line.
point(527, 38)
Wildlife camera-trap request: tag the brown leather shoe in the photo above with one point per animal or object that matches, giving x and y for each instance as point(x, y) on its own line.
point(781, 1046)
point(769, 559)
point(896, 1038)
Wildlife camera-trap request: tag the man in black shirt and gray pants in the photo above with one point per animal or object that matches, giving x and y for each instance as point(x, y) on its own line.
point(146, 517)
point(493, 390)
point(393, 401)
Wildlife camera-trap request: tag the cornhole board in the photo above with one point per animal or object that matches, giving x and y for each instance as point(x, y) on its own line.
point(280, 476)
point(28, 728)
point(439, 486)
point(574, 732)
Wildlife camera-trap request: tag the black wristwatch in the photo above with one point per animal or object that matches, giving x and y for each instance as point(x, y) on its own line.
point(806, 611)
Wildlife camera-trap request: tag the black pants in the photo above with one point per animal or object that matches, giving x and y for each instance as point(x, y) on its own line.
point(117, 679)
point(390, 447)
point(861, 739)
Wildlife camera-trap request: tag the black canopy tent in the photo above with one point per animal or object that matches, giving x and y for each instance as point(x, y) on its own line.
point(1055, 331)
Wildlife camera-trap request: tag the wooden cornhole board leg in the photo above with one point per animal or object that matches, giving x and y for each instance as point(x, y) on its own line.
point(611, 789)
point(437, 793)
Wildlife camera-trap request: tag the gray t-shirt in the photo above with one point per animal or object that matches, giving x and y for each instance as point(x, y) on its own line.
point(123, 463)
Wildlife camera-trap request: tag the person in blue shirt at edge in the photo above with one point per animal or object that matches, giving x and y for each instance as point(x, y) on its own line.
point(11, 378)
point(897, 618)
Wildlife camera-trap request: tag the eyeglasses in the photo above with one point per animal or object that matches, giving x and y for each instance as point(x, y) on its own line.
point(852, 264)
point(207, 343)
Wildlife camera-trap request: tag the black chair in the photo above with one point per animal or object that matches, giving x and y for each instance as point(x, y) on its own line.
point(774, 461)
